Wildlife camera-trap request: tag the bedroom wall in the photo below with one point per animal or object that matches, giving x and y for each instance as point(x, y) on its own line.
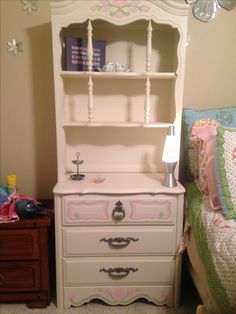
point(27, 123)
point(210, 74)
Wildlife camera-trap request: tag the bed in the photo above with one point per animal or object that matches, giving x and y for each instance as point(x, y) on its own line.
point(210, 224)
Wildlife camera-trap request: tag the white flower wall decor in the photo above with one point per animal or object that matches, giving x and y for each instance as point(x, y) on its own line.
point(205, 10)
point(15, 46)
point(29, 5)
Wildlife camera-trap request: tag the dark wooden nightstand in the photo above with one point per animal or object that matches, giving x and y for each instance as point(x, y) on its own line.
point(27, 260)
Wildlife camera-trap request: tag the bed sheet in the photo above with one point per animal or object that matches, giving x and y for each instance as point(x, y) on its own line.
point(216, 244)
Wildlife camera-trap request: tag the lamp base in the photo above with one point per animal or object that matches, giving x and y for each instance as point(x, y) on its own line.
point(169, 179)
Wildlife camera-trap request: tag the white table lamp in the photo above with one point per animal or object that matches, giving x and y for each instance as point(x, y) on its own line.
point(170, 158)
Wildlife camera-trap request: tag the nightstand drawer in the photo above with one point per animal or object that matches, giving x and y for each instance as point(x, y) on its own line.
point(19, 276)
point(85, 271)
point(159, 209)
point(118, 240)
point(19, 244)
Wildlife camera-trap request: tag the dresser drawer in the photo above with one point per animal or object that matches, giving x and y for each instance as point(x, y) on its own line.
point(83, 271)
point(159, 209)
point(118, 240)
point(19, 276)
point(19, 244)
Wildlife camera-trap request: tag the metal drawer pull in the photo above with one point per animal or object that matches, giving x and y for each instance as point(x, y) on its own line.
point(118, 212)
point(2, 280)
point(118, 243)
point(118, 272)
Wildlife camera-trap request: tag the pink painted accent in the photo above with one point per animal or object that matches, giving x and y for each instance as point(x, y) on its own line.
point(93, 8)
point(116, 295)
point(133, 9)
point(87, 210)
point(119, 3)
point(106, 8)
point(119, 8)
point(119, 294)
point(150, 210)
point(119, 15)
point(144, 8)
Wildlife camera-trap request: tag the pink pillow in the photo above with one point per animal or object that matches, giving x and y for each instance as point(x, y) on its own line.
point(203, 136)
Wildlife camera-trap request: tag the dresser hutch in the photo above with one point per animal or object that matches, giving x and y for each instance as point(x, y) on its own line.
point(118, 228)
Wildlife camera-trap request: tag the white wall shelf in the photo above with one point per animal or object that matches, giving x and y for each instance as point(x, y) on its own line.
point(118, 75)
point(113, 124)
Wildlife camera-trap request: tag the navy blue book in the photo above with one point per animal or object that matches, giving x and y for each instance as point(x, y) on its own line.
point(77, 57)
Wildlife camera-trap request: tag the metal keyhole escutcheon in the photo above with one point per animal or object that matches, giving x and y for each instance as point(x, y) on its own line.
point(118, 212)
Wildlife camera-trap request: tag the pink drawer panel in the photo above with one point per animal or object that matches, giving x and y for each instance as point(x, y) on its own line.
point(123, 210)
point(150, 210)
point(88, 210)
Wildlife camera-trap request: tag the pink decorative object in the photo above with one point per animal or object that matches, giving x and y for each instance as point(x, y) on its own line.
point(119, 8)
point(98, 179)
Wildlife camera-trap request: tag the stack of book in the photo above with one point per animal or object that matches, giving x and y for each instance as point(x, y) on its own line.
point(77, 56)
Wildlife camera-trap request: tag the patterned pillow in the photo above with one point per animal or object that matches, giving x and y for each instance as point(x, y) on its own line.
point(203, 137)
point(226, 170)
point(225, 116)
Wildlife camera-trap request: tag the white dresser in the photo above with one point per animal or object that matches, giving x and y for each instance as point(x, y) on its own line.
point(118, 247)
point(118, 229)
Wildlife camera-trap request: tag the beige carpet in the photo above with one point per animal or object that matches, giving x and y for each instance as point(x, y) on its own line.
point(97, 308)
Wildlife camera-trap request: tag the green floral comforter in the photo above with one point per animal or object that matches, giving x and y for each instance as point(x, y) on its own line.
point(216, 242)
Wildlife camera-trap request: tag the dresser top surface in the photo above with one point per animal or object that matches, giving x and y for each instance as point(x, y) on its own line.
point(44, 219)
point(117, 183)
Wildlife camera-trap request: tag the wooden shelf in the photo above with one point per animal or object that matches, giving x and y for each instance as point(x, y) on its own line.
point(117, 183)
point(118, 124)
point(119, 75)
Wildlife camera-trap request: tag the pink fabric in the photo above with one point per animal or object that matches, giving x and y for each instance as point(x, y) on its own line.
point(7, 209)
point(204, 136)
point(210, 172)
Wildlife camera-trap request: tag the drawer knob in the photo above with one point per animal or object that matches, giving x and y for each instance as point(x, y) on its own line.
point(119, 242)
point(118, 212)
point(118, 272)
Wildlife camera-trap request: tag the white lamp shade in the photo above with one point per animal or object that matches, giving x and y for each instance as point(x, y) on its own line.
point(170, 152)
